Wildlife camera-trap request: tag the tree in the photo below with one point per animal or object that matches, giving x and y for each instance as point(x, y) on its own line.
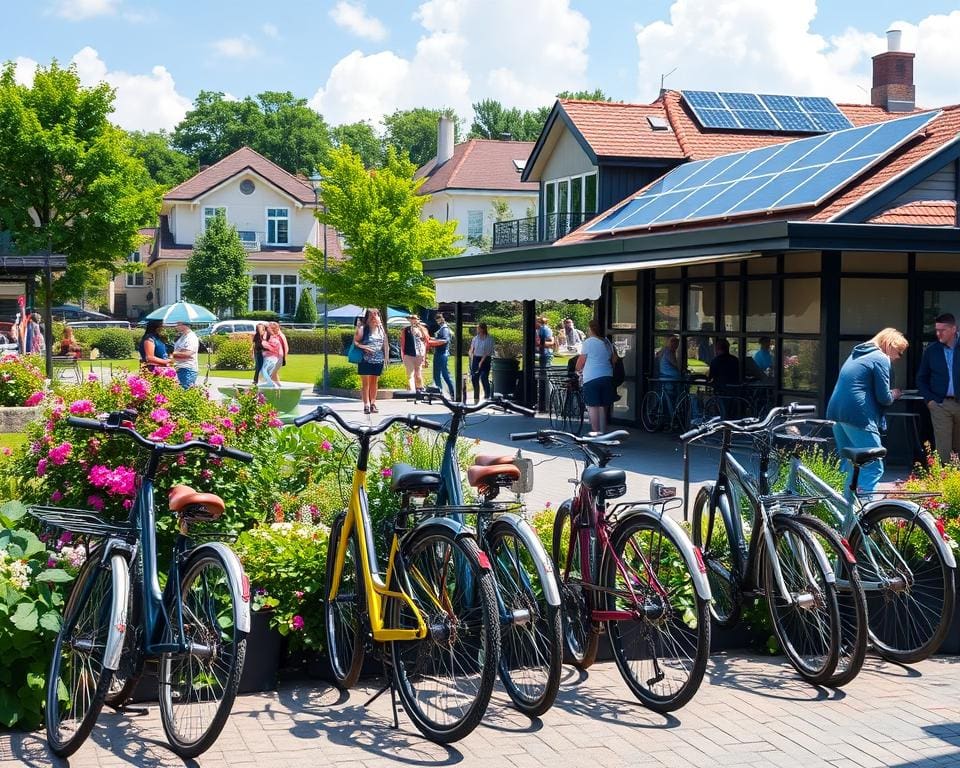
point(362, 139)
point(413, 132)
point(215, 127)
point(306, 308)
point(385, 242)
point(595, 95)
point(166, 165)
point(68, 178)
point(216, 275)
point(491, 120)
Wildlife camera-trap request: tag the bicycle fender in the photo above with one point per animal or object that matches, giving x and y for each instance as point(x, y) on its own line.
point(121, 587)
point(693, 559)
point(912, 508)
point(525, 531)
point(238, 579)
point(459, 530)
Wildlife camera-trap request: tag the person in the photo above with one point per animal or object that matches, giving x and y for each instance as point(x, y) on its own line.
point(724, 367)
point(480, 354)
point(595, 365)
point(572, 337)
point(277, 331)
point(185, 350)
point(859, 399)
point(441, 354)
point(153, 346)
point(413, 351)
point(763, 357)
point(34, 343)
point(939, 383)
point(668, 369)
point(259, 332)
point(545, 344)
point(371, 339)
point(69, 345)
point(272, 351)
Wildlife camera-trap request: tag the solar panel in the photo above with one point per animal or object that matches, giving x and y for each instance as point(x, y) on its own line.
point(799, 173)
point(765, 112)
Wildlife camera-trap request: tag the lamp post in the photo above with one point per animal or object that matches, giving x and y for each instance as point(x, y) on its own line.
point(317, 181)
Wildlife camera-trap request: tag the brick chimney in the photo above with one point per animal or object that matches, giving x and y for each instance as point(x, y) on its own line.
point(893, 87)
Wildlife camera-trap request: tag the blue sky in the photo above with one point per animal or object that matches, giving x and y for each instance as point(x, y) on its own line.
point(358, 60)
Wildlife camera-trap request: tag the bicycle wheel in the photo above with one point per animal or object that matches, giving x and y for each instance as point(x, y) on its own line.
point(343, 617)
point(720, 555)
point(531, 645)
point(851, 601)
point(573, 410)
point(581, 637)
point(78, 682)
point(651, 411)
point(910, 589)
point(556, 408)
point(445, 680)
point(808, 623)
point(662, 649)
point(197, 687)
point(130, 669)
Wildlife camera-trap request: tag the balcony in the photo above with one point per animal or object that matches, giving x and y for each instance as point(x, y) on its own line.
point(250, 239)
point(517, 233)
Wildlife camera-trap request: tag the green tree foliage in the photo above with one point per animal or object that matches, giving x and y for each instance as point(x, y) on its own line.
point(413, 132)
point(166, 165)
point(596, 94)
point(66, 168)
point(307, 308)
point(362, 139)
point(216, 275)
point(279, 126)
point(491, 120)
point(385, 242)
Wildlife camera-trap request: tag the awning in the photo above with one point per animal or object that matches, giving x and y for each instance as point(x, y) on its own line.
point(568, 284)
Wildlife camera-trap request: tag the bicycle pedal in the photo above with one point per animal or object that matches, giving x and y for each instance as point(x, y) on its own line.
point(123, 709)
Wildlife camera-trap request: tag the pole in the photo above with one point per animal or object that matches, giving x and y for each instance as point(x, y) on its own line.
point(326, 329)
point(47, 319)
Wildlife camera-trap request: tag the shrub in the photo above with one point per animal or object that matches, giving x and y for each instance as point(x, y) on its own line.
point(310, 342)
point(394, 377)
point(259, 314)
point(508, 343)
point(20, 379)
point(346, 377)
point(306, 309)
point(234, 352)
point(113, 343)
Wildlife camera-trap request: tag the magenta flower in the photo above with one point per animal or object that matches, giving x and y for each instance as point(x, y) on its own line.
point(6, 451)
point(386, 472)
point(297, 622)
point(127, 503)
point(95, 501)
point(168, 373)
point(41, 467)
point(275, 422)
point(159, 415)
point(51, 563)
point(160, 399)
point(215, 439)
point(55, 497)
point(66, 537)
point(139, 387)
point(298, 593)
point(163, 431)
point(233, 408)
point(35, 399)
point(188, 435)
point(205, 474)
point(92, 377)
point(227, 423)
point(547, 505)
point(119, 482)
point(181, 460)
point(80, 407)
point(60, 454)
point(207, 427)
point(325, 446)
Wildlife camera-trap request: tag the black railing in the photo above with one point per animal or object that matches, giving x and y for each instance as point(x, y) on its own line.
point(530, 231)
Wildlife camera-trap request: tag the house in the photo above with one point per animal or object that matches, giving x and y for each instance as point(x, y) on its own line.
point(130, 294)
point(814, 240)
point(273, 213)
point(464, 181)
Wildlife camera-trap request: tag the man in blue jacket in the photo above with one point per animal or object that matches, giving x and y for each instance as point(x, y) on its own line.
point(939, 382)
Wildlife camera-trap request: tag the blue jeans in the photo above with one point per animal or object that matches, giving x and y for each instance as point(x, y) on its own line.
point(440, 370)
point(267, 369)
point(848, 436)
point(187, 377)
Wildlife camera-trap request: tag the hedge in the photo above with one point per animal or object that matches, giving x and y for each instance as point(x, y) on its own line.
point(346, 377)
point(113, 343)
point(234, 352)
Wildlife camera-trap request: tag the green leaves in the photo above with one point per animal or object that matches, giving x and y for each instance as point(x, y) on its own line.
point(216, 275)
point(54, 576)
point(25, 617)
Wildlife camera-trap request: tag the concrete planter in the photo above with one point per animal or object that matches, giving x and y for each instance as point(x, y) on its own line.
point(15, 418)
point(354, 394)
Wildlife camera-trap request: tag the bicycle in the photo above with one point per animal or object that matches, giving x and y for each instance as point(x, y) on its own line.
point(669, 405)
point(116, 616)
point(435, 625)
point(631, 568)
point(566, 403)
point(778, 557)
point(528, 599)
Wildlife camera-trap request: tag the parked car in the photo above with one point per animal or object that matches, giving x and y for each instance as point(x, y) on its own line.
point(125, 325)
point(71, 312)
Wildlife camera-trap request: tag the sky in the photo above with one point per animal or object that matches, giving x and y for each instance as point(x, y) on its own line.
point(358, 60)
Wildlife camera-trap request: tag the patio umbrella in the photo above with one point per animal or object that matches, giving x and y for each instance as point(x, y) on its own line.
point(182, 312)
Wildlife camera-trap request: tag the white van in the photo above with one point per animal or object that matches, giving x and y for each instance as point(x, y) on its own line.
point(100, 324)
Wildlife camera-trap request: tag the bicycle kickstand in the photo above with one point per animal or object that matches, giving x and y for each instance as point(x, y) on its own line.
point(393, 697)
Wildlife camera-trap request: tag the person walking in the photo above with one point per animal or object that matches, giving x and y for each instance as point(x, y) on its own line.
point(480, 354)
point(185, 350)
point(277, 331)
point(859, 399)
point(259, 332)
point(441, 355)
point(939, 383)
point(571, 337)
point(153, 346)
point(595, 366)
point(272, 351)
point(545, 344)
point(371, 339)
point(35, 343)
point(413, 351)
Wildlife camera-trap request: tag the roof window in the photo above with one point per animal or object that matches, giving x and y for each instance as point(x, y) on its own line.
point(658, 123)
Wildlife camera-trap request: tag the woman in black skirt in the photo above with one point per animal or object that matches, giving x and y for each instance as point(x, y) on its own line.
point(258, 335)
point(371, 339)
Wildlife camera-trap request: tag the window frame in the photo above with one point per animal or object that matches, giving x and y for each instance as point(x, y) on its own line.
point(271, 218)
point(135, 279)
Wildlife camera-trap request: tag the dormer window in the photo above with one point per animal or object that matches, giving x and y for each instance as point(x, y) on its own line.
point(278, 226)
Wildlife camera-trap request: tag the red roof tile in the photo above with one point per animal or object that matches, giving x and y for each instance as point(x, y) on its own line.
point(482, 164)
point(923, 213)
point(232, 165)
point(622, 130)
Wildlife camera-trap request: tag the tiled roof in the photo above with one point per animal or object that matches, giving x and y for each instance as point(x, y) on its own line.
point(232, 165)
point(924, 213)
point(622, 130)
point(481, 164)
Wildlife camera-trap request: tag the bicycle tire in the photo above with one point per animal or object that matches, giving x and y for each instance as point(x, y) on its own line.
point(78, 655)
point(132, 659)
point(573, 409)
point(463, 633)
point(531, 650)
point(851, 601)
point(197, 690)
point(556, 409)
point(343, 619)
point(721, 557)
point(815, 655)
point(651, 412)
point(662, 651)
point(923, 600)
point(581, 636)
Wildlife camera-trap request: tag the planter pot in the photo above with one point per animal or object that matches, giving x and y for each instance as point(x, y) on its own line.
point(16, 418)
point(506, 375)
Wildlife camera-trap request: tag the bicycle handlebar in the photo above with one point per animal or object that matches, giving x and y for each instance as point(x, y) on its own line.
point(746, 425)
point(323, 412)
point(497, 401)
point(607, 440)
point(123, 427)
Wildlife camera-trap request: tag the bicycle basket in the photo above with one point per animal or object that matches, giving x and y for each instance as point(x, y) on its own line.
point(78, 521)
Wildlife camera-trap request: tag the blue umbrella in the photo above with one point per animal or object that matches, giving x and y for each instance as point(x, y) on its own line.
point(182, 312)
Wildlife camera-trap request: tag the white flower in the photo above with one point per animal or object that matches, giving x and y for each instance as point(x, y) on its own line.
point(19, 574)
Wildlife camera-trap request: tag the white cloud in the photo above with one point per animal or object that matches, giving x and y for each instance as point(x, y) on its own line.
point(77, 10)
point(934, 39)
point(271, 31)
point(241, 47)
point(23, 70)
point(466, 53)
point(354, 17)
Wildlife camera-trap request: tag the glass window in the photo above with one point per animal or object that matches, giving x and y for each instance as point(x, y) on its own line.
point(667, 272)
point(590, 193)
point(876, 262)
point(576, 194)
point(760, 315)
point(801, 305)
point(626, 348)
point(474, 225)
point(732, 267)
point(134, 279)
point(802, 262)
point(626, 407)
point(623, 277)
point(731, 306)
point(699, 353)
point(667, 311)
point(868, 305)
point(563, 196)
point(659, 342)
point(702, 270)
point(762, 266)
point(761, 360)
point(624, 306)
point(801, 364)
point(937, 262)
point(289, 299)
point(701, 306)
point(550, 198)
point(278, 226)
point(210, 212)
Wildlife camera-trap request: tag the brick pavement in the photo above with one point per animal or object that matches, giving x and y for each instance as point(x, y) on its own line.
point(752, 712)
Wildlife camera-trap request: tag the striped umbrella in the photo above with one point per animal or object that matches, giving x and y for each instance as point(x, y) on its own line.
point(182, 312)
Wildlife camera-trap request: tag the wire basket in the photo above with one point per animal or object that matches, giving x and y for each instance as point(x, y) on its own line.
point(80, 521)
point(660, 506)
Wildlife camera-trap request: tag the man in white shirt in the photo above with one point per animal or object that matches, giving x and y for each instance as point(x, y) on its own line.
point(572, 337)
point(185, 350)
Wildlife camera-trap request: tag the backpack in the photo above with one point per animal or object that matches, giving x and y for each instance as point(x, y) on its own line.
point(619, 371)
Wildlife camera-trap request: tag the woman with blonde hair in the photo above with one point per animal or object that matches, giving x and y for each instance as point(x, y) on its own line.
point(413, 351)
point(861, 396)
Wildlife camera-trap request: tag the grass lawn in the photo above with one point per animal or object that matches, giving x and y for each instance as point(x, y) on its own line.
point(12, 440)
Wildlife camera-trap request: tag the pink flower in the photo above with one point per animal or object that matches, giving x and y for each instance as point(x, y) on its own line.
point(386, 472)
point(92, 377)
point(297, 622)
point(60, 454)
point(6, 451)
point(41, 467)
point(127, 503)
point(55, 497)
point(181, 460)
point(275, 422)
point(207, 427)
point(80, 407)
point(227, 423)
point(51, 563)
point(35, 399)
point(159, 415)
point(95, 501)
point(187, 436)
point(216, 439)
point(139, 387)
point(325, 446)
point(160, 399)
point(66, 537)
point(168, 373)
point(233, 408)
point(205, 474)
point(547, 505)
point(298, 593)
point(162, 432)
point(119, 482)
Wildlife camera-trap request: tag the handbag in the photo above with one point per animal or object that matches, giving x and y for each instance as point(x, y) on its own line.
point(354, 354)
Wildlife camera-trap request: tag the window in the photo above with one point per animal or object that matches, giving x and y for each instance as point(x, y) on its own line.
point(134, 279)
point(474, 225)
point(209, 213)
point(278, 226)
point(277, 293)
point(247, 187)
point(178, 281)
